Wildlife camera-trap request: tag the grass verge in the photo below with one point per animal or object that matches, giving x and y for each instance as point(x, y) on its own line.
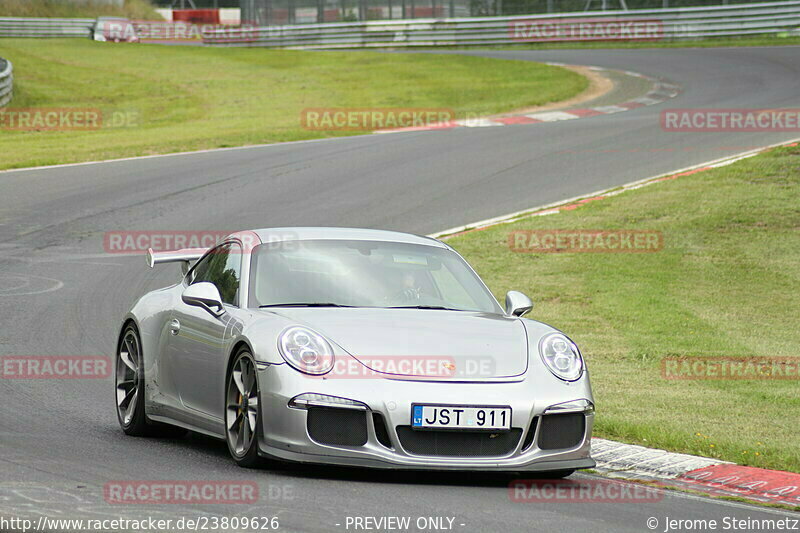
point(190, 98)
point(134, 9)
point(725, 284)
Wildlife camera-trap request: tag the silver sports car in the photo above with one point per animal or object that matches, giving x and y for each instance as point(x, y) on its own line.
point(351, 347)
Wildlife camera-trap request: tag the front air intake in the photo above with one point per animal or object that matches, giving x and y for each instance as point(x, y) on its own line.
point(558, 432)
point(381, 432)
point(337, 427)
point(526, 444)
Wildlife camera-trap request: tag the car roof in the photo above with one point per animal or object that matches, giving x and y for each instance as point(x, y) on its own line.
point(342, 234)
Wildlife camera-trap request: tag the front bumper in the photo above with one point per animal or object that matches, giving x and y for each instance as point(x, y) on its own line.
point(285, 433)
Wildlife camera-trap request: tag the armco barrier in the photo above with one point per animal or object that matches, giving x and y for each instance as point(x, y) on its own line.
point(45, 27)
point(6, 82)
point(632, 25)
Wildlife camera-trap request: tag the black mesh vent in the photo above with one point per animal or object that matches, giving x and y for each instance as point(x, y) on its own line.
point(380, 430)
point(339, 427)
point(458, 443)
point(562, 431)
point(530, 434)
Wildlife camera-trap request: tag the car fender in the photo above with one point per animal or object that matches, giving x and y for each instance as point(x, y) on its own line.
point(150, 314)
point(550, 389)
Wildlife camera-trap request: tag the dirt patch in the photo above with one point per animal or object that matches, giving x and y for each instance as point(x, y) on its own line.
point(599, 85)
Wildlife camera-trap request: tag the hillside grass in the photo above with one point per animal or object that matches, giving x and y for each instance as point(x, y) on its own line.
point(190, 98)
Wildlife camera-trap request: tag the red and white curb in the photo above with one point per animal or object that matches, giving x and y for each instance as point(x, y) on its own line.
point(691, 472)
point(660, 92)
point(632, 461)
point(758, 484)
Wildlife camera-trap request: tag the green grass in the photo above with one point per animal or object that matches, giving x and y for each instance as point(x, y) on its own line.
point(134, 9)
point(191, 98)
point(725, 284)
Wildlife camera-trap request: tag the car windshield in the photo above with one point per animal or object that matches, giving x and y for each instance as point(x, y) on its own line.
point(343, 273)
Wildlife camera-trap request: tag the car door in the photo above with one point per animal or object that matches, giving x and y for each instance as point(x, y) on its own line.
point(197, 352)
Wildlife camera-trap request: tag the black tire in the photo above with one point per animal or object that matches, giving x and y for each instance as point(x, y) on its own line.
point(247, 455)
point(133, 423)
point(136, 423)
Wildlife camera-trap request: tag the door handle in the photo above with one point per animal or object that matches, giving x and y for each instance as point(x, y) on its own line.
point(174, 326)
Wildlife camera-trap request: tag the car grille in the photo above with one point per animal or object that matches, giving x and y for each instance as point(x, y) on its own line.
point(458, 443)
point(338, 427)
point(558, 432)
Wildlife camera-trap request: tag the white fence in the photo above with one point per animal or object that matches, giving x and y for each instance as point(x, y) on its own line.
point(45, 27)
point(6, 82)
point(632, 25)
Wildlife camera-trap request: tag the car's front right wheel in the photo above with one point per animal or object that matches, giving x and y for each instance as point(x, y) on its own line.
point(242, 411)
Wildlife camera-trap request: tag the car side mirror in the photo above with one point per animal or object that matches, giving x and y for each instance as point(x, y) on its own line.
point(205, 295)
point(517, 304)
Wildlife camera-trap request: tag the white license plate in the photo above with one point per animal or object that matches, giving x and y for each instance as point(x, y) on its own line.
point(460, 417)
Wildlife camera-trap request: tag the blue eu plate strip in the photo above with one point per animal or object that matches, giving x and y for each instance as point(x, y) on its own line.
point(416, 416)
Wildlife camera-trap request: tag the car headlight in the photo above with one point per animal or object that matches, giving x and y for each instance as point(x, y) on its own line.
point(561, 356)
point(306, 350)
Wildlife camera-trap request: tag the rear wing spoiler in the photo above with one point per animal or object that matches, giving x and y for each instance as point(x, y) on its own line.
point(185, 257)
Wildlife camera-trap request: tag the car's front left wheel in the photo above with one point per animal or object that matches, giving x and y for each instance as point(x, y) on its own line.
point(242, 411)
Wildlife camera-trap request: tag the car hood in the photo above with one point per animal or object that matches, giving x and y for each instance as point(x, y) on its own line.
point(423, 343)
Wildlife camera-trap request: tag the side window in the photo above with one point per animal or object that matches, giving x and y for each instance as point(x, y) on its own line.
point(222, 267)
point(199, 270)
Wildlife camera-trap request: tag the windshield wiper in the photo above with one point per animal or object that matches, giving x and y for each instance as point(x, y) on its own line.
point(306, 304)
point(439, 307)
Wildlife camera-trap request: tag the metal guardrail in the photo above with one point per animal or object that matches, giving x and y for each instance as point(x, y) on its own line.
point(45, 27)
point(6, 82)
point(632, 25)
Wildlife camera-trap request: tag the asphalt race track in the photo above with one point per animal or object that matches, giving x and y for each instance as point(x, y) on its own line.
point(62, 295)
